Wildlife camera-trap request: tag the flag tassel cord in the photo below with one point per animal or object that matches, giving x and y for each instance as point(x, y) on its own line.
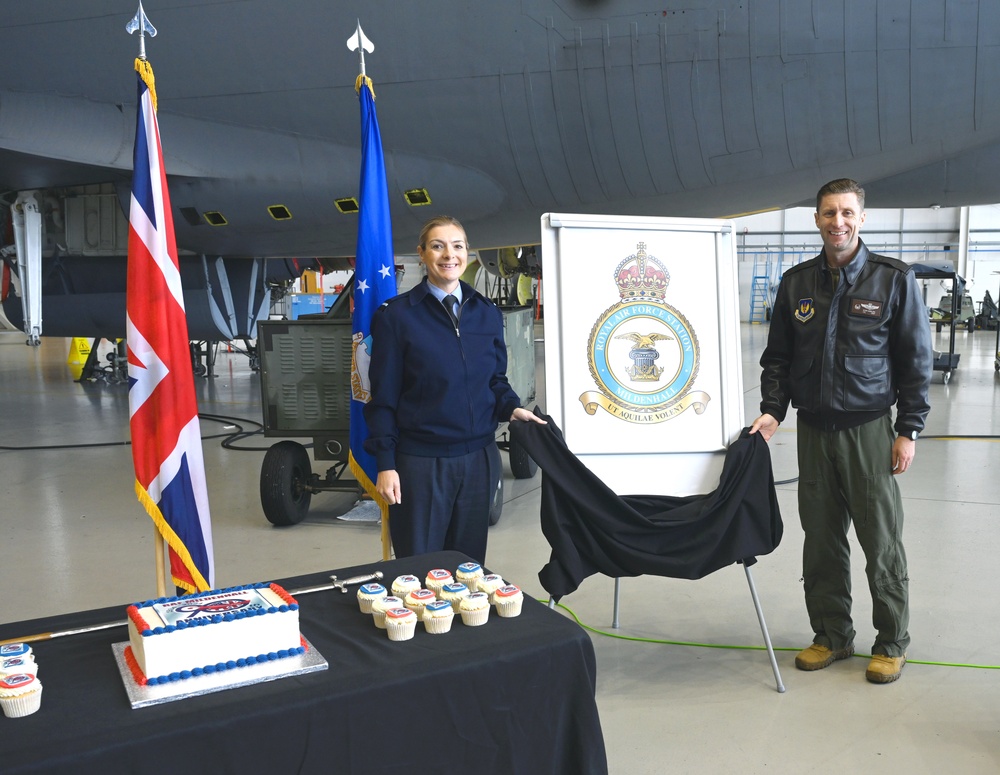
point(383, 507)
point(165, 533)
point(145, 71)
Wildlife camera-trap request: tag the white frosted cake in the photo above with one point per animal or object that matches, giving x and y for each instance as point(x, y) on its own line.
point(182, 637)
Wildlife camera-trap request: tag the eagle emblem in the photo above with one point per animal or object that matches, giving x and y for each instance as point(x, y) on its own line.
point(643, 355)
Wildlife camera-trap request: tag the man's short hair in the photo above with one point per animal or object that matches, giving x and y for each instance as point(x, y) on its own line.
point(841, 186)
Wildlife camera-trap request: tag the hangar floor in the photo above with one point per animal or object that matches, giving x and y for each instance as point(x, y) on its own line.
point(683, 685)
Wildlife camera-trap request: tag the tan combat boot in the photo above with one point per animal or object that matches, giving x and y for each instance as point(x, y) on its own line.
point(816, 657)
point(883, 669)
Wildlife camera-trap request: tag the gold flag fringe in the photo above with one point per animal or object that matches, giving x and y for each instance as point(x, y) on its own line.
point(145, 71)
point(364, 79)
point(173, 541)
point(368, 487)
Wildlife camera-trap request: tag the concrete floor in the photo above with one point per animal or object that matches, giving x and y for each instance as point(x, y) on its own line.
point(683, 686)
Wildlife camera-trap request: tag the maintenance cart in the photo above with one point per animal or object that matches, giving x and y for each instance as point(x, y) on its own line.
point(305, 381)
point(946, 362)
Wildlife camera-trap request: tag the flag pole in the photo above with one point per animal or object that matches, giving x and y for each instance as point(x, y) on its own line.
point(159, 361)
point(140, 22)
point(374, 260)
point(161, 566)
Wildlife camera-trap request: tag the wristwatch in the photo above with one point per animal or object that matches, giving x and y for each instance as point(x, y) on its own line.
point(912, 435)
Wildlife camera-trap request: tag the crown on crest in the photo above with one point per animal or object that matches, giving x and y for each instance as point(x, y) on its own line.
point(641, 277)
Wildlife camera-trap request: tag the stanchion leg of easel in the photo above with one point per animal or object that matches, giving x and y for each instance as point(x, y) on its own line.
point(618, 602)
point(763, 629)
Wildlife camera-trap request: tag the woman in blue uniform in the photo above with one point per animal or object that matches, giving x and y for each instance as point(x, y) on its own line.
point(439, 390)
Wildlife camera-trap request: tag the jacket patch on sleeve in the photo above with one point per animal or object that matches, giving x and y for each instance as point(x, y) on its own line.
point(866, 308)
point(805, 310)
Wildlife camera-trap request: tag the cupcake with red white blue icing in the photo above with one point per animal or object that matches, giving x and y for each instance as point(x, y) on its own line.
point(469, 573)
point(15, 650)
point(17, 658)
point(438, 617)
point(20, 694)
point(490, 584)
point(20, 664)
point(508, 601)
point(404, 585)
point(454, 593)
point(475, 609)
point(401, 623)
point(417, 600)
point(437, 578)
point(368, 594)
point(381, 605)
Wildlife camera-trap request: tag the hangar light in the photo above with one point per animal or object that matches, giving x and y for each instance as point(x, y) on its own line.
point(416, 197)
point(215, 218)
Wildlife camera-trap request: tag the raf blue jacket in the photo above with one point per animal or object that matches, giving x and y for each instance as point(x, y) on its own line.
point(437, 390)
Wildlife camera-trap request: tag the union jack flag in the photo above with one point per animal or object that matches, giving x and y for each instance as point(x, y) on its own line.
point(166, 435)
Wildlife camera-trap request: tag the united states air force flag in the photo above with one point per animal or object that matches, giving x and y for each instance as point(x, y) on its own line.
point(374, 282)
point(166, 435)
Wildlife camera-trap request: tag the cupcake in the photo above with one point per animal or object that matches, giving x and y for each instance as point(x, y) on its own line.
point(437, 578)
point(15, 650)
point(368, 594)
point(403, 585)
point(417, 599)
point(438, 617)
point(401, 623)
point(380, 606)
point(490, 584)
point(20, 694)
point(12, 665)
point(508, 601)
point(475, 609)
point(453, 593)
point(469, 574)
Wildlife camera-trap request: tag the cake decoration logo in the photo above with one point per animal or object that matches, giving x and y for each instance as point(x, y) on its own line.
point(18, 679)
point(650, 379)
point(210, 609)
point(202, 607)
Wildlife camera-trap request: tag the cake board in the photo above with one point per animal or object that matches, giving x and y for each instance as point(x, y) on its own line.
point(311, 661)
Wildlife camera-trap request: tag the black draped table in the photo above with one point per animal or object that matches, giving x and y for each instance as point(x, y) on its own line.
point(512, 696)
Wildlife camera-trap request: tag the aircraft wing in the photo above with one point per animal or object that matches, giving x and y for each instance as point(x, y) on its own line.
point(499, 112)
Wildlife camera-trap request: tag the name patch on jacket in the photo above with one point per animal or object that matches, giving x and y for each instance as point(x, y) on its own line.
point(865, 308)
point(805, 310)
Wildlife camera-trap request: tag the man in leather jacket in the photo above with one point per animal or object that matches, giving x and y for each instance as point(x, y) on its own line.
point(849, 338)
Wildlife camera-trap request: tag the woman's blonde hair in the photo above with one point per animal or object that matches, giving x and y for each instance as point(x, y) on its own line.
point(433, 223)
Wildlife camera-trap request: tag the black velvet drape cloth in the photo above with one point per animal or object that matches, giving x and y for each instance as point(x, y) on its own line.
point(593, 530)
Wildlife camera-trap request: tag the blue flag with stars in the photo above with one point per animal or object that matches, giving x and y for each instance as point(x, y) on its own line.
point(374, 283)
